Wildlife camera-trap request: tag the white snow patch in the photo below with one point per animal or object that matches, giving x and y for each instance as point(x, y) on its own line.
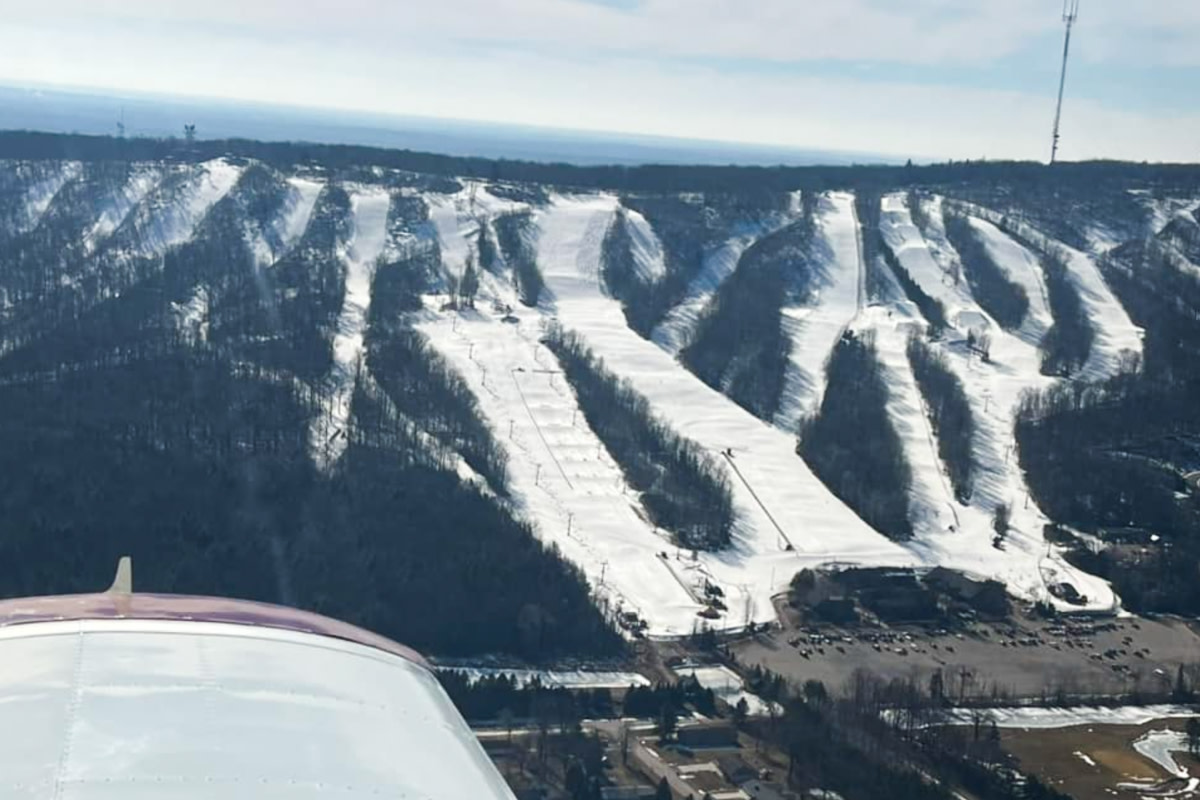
point(728, 686)
point(1034, 717)
point(287, 226)
point(557, 679)
point(648, 256)
point(191, 318)
point(560, 475)
point(1159, 745)
point(1085, 758)
point(457, 217)
point(328, 432)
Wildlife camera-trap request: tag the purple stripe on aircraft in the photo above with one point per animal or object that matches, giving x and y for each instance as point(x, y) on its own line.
point(193, 608)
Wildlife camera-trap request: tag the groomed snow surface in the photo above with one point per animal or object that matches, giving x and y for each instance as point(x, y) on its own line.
point(565, 481)
point(328, 431)
point(1117, 338)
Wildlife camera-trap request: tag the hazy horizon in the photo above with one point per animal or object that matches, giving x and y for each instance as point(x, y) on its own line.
point(942, 78)
point(69, 109)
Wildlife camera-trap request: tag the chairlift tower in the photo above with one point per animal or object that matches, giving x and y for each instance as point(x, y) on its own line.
point(1070, 14)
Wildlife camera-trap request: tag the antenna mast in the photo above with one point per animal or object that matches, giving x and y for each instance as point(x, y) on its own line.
point(1070, 14)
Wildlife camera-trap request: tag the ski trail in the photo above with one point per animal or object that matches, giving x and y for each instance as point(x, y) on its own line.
point(456, 219)
point(1023, 269)
point(119, 204)
point(814, 327)
point(1116, 337)
point(169, 216)
point(675, 330)
point(821, 527)
point(560, 474)
point(947, 532)
point(648, 252)
point(931, 500)
point(917, 258)
point(271, 242)
point(40, 195)
point(328, 434)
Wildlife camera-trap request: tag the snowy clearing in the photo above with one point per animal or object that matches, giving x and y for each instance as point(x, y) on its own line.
point(1023, 269)
point(369, 212)
point(726, 685)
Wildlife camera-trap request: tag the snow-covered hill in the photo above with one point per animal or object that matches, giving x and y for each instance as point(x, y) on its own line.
point(560, 476)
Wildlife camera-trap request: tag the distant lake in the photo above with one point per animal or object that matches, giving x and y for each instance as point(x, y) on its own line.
point(64, 111)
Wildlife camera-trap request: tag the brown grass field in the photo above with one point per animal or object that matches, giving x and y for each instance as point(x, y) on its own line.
point(1053, 756)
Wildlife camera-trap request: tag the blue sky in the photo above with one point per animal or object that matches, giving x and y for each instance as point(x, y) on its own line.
point(936, 78)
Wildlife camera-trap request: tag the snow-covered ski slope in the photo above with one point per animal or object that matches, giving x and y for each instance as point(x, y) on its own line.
point(947, 531)
point(814, 327)
point(566, 483)
point(675, 331)
point(328, 431)
point(1117, 338)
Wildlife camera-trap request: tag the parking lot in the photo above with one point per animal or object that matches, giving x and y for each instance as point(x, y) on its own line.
point(1024, 657)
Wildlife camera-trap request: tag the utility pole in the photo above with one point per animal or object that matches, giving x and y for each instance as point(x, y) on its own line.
point(1070, 14)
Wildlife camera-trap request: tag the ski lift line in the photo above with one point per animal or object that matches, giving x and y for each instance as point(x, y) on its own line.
point(787, 540)
point(538, 429)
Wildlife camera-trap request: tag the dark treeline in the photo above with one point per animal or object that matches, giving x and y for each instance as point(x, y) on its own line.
point(930, 307)
point(485, 247)
point(739, 346)
point(1068, 344)
point(850, 442)
point(1109, 458)
point(914, 200)
point(683, 488)
point(879, 284)
point(687, 227)
point(1183, 233)
point(870, 742)
point(501, 698)
point(1029, 177)
point(1005, 301)
point(417, 380)
point(1071, 210)
point(515, 232)
point(621, 277)
point(949, 414)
